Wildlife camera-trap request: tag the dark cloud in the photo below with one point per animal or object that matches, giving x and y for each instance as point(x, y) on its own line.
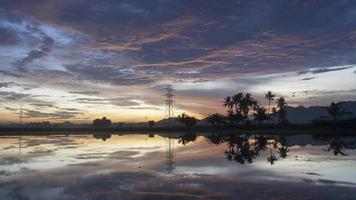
point(111, 75)
point(8, 73)
point(38, 53)
point(5, 84)
point(56, 115)
point(321, 70)
point(8, 37)
point(307, 79)
point(42, 105)
point(86, 92)
point(112, 101)
point(200, 39)
point(144, 108)
point(12, 96)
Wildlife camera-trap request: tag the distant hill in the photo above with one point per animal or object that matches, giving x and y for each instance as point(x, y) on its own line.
point(302, 115)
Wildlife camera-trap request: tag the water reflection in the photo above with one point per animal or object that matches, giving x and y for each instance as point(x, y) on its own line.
point(194, 162)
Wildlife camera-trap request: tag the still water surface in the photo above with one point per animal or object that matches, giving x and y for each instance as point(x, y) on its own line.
point(177, 166)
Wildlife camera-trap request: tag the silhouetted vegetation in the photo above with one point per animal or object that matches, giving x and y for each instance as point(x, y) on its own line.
point(102, 136)
point(187, 120)
point(282, 110)
point(270, 97)
point(187, 138)
point(216, 119)
point(336, 111)
point(151, 124)
point(102, 123)
point(244, 149)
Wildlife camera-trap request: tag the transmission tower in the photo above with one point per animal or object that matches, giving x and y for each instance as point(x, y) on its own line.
point(169, 113)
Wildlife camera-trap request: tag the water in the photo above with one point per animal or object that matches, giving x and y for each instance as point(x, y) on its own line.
point(181, 166)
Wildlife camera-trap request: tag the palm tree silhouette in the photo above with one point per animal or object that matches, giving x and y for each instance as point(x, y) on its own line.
point(270, 97)
point(260, 114)
point(228, 103)
point(336, 111)
point(247, 103)
point(282, 110)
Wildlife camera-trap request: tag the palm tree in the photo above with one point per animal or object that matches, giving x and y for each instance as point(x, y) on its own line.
point(336, 111)
point(228, 103)
point(260, 114)
point(282, 110)
point(247, 103)
point(237, 99)
point(270, 97)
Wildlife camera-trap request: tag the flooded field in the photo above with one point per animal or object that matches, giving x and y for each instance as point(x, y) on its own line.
point(178, 166)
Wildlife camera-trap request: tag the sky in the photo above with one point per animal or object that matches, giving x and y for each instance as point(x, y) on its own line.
point(79, 60)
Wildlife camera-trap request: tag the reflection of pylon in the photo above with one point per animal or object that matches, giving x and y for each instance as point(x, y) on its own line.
point(170, 154)
point(169, 103)
point(20, 145)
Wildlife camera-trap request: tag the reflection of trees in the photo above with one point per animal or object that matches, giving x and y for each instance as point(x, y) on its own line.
point(244, 149)
point(215, 139)
point(240, 150)
point(102, 136)
point(337, 144)
point(186, 138)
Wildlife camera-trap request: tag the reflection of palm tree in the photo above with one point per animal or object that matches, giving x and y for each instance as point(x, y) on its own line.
point(187, 138)
point(283, 147)
point(337, 147)
point(272, 158)
point(270, 97)
point(215, 139)
point(240, 150)
point(260, 143)
point(282, 151)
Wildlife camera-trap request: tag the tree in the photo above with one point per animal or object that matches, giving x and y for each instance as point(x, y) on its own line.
point(215, 119)
point(270, 97)
point(260, 115)
point(282, 110)
point(151, 124)
point(336, 111)
point(246, 105)
point(228, 103)
point(239, 106)
point(187, 120)
point(102, 123)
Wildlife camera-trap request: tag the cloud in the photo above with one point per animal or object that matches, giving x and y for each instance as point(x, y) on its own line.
point(41, 52)
point(122, 102)
point(307, 79)
point(13, 95)
point(325, 70)
point(56, 115)
point(5, 85)
point(121, 45)
point(86, 92)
